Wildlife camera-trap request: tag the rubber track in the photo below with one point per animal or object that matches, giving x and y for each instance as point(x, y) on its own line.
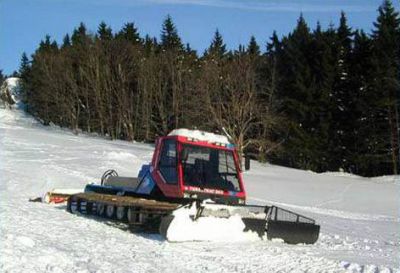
point(150, 211)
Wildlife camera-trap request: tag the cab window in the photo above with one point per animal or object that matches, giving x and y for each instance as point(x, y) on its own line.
point(209, 168)
point(167, 163)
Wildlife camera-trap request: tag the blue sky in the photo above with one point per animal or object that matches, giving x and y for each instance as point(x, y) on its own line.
point(23, 23)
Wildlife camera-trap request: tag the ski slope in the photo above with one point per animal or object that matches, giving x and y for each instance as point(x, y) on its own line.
point(359, 217)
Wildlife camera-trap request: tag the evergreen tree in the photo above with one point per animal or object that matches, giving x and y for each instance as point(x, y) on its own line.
point(189, 49)
point(104, 32)
point(387, 61)
point(150, 44)
point(217, 47)
point(54, 45)
point(344, 34)
point(2, 77)
point(295, 95)
point(366, 132)
point(25, 76)
point(253, 48)
point(46, 44)
point(170, 39)
point(66, 41)
point(301, 33)
point(274, 45)
point(24, 65)
point(342, 99)
point(79, 35)
point(322, 63)
point(241, 50)
point(129, 33)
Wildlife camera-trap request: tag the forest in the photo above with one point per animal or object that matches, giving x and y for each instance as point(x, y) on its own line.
point(321, 99)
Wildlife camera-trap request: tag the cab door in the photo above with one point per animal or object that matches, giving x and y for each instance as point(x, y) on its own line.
point(166, 169)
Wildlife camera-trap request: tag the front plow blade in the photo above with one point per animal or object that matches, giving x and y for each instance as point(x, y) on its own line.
point(272, 221)
point(291, 227)
point(255, 225)
point(293, 233)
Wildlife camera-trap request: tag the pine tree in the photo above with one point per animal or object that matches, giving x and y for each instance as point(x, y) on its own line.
point(150, 44)
point(322, 62)
point(25, 76)
point(274, 45)
point(241, 51)
point(170, 39)
point(188, 49)
point(66, 41)
point(387, 61)
point(24, 65)
point(344, 34)
point(104, 32)
point(253, 48)
point(295, 96)
point(217, 47)
point(129, 33)
point(54, 45)
point(46, 44)
point(79, 35)
point(2, 77)
point(366, 133)
point(301, 33)
point(342, 100)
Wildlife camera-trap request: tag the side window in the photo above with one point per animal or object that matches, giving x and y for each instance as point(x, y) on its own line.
point(167, 163)
point(226, 162)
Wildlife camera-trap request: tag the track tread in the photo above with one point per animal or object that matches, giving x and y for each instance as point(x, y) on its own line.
point(147, 214)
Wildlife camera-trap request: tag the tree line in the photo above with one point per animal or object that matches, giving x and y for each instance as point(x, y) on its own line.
point(318, 99)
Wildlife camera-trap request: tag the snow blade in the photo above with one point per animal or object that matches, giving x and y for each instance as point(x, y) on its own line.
point(275, 222)
point(255, 225)
point(291, 227)
point(293, 233)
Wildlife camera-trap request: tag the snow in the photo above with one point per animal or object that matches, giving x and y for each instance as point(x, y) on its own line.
point(66, 191)
point(359, 217)
point(214, 229)
point(200, 135)
point(11, 86)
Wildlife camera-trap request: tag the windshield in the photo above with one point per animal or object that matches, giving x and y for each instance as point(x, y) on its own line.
point(209, 168)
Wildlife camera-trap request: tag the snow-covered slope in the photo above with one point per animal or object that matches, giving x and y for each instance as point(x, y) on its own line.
point(359, 217)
